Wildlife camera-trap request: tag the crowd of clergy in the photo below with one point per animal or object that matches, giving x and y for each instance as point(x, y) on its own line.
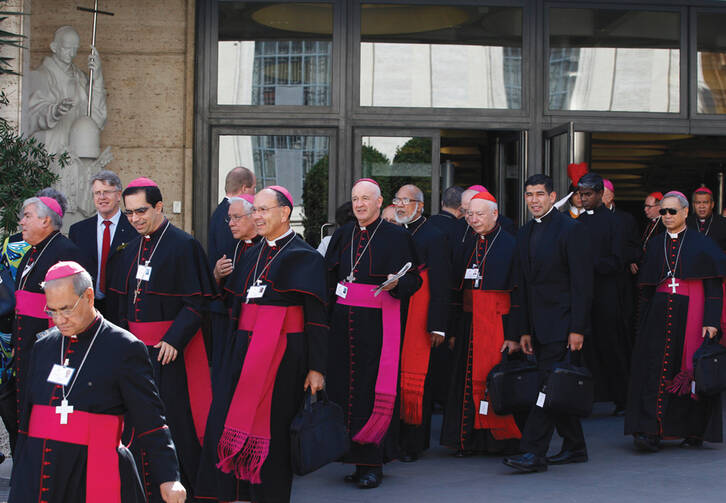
point(148, 369)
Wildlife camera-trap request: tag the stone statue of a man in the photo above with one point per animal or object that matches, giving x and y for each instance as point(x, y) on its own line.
point(59, 92)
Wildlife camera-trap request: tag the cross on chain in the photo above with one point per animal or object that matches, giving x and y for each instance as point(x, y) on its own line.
point(672, 285)
point(64, 409)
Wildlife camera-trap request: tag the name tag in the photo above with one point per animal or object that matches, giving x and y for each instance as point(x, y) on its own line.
point(471, 273)
point(483, 408)
point(341, 291)
point(256, 291)
point(693, 387)
point(143, 272)
point(541, 399)
point(60, 375)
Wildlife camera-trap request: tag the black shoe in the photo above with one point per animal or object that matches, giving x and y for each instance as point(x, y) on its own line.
point(370, 480)
point(619, 410)
point(564, 457)
point(527, 463)
point(463, 453)
point(689, 443)
point(408, 458)
point(353, 477)
point(646, 443)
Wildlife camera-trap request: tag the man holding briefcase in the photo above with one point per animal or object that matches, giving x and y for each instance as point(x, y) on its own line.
point(555, 288)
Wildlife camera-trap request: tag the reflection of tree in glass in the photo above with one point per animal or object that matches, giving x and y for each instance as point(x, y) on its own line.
point(315, 192)
point(413, 159)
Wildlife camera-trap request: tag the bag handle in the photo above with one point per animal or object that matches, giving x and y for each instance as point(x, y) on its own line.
point(320, 396)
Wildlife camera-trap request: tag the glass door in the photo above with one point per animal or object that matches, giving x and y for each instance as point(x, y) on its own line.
point(559, 151)
point(511, 162)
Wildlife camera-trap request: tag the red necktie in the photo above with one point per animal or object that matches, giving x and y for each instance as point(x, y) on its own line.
point(105, 247)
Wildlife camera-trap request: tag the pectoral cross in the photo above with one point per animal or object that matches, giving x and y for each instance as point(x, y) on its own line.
point(672, 285)
point(64, 409)
point(350, 278)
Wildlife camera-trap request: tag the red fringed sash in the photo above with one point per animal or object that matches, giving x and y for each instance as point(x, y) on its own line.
point(693, 289)
point(415, 355)
point(245, 441)
point(361, 295)
point(487, 332)
point(199, 381)
point(100, 432)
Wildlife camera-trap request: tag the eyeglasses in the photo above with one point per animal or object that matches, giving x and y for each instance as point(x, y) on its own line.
point(104, 193)
point(263, 210)
point(670, 211)
point(138, 211)
point(236, 218)
point(66, 313)
point(404, 200)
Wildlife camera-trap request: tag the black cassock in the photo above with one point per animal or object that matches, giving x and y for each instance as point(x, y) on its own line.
point(356, 332)
point(295, 277)
point(434, 254)
point(178, 291)
point(496, 253)
point(116, 380)
point(659, 346)
point(607, 352)
point(38, 260)
point(632, 252)
point(713, 227)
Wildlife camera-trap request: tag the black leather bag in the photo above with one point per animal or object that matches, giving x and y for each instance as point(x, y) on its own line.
point(512, 385)
point(318, 434)
point(7, 292)
point(709, 364)
point(569, 389)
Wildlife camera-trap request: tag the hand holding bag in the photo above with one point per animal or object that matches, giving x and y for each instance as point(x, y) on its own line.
point(569, 389)
point(512, 385)
point(709, 364)
point(318, 435)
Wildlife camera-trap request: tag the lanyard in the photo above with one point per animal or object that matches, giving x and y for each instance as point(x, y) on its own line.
point(350, 277)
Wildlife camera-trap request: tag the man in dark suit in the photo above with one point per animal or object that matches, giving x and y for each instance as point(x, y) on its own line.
point(101, 236)
point(554, 293)
point(219, 238)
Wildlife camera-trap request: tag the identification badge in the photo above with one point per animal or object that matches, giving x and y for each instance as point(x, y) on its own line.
point(341, 291)
point(256, 291)
point(483, 408)
point(693, 387)
point(471, 273)
point(60, 375)
point(541, 399)
point(143, 272)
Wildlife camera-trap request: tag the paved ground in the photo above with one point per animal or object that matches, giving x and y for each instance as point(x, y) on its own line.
point(615, 473)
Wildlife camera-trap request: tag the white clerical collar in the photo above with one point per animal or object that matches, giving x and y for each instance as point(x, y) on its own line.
point(674, 235)
point(114, 219)
point(411, 223)
point(590, 212)
point(248, 241)
point(539, 220)
point(273, 242)
point(702, 220)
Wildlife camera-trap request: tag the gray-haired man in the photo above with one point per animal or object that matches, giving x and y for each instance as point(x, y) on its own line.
point(102, 235)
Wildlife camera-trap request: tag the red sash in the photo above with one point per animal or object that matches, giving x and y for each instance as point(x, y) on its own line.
point(361, 295)
point(415, 354)
point(199, 383)
point(100, 432)
point(245, 441)
point(31, 304)
point(487, 333)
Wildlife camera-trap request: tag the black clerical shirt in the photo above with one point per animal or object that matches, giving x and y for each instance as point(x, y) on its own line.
point(537, 230)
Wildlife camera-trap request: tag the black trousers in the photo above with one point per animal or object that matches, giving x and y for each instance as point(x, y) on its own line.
point(541, 423)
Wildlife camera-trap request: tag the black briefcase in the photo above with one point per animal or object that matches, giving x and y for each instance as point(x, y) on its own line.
point(709, 364)
point(569, 390)
point(512, 385)
point(318, 434)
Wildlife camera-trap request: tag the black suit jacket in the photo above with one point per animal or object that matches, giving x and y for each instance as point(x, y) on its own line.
point(84, 235)
point(556, 286)
point(219, 238)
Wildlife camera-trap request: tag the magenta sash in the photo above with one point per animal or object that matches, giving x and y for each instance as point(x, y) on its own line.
point(199, 381)
point(100, 432)
point(30, 304)
point(693, 289)
point(361, 295)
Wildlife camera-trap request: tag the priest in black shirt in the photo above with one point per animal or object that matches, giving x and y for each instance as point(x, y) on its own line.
point(275, 349)
point(85, 375)
point(554, 294)
point(607, 353)
point(681, 281)
point(704, 220)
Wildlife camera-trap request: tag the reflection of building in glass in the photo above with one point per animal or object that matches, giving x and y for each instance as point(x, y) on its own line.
point(276, 72)
point(440, 75)
point(614, 79)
